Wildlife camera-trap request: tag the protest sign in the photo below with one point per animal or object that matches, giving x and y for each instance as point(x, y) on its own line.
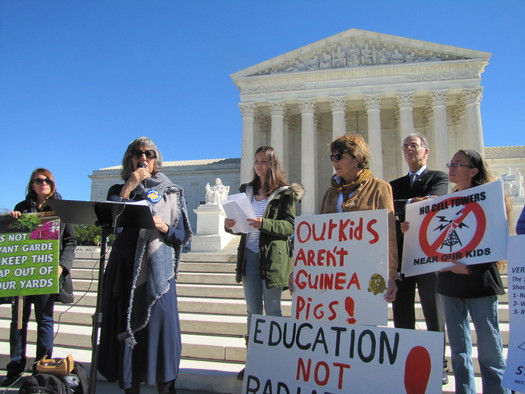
point(29, 255)
point(469, 226)
point(514, 377)
point(341, 267)
point(291, 356)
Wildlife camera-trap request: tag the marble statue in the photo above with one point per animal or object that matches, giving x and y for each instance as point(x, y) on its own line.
point(216, 193)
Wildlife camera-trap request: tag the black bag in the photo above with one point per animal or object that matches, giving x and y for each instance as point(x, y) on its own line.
point(76, 382)
point(44, 383)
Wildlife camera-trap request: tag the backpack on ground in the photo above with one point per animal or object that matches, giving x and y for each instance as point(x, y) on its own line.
point(44, 383)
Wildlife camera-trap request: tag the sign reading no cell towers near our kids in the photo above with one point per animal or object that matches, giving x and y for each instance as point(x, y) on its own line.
point(468, 226)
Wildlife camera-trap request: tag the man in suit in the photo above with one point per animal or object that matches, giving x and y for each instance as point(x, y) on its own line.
point(419, 184)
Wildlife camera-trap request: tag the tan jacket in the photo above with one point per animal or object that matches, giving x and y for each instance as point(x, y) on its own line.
point(372, 193)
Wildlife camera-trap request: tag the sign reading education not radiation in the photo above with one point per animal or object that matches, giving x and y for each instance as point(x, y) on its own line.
point(341, 267)
point(288, 356)
point(29, 255)
point(469, 226)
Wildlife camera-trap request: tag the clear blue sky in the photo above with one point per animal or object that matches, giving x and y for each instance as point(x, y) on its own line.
point(79, 79)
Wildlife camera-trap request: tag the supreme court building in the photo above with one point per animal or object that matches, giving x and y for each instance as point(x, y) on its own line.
point(380, 86)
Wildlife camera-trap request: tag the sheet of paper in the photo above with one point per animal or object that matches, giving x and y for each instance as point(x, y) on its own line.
point(239, 208)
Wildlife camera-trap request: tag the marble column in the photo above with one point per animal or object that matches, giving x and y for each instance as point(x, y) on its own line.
point(439, 151)
point(338, 106)
point(405, 103)
point(373, 110)
point(474, 129)
point(277, 127)
point(247, 148)
point(308, 156)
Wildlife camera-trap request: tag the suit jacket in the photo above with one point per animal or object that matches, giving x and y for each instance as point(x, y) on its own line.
point(429, 183)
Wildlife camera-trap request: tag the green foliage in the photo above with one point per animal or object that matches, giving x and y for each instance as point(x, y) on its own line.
point(87, 235)
point(26, 223)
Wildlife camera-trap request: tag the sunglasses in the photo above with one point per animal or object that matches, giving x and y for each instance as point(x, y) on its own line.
point(40, 181)
point(457, 165)
point(150, 154)
point(337, 156)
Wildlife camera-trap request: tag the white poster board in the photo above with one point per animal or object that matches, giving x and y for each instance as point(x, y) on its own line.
point(290, 356)
point(341, 267)
point(514, 377)
point(468, 226)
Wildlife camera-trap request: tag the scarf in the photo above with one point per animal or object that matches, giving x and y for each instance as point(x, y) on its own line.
point(156, 261)
point(347, 189)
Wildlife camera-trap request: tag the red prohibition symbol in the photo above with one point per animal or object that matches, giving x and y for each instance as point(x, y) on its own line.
point(432, 249)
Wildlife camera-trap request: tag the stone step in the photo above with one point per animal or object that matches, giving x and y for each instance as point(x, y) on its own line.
point(213, 322)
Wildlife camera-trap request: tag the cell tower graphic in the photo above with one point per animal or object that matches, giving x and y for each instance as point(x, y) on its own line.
point(451, 225)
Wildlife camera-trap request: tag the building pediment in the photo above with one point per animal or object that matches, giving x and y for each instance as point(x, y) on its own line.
point(356, 48)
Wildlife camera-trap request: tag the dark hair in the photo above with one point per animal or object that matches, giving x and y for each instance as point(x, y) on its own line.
point(476, 161)
point(276, 176)
point(355, 146)
point(127, 163)
point(41, 171)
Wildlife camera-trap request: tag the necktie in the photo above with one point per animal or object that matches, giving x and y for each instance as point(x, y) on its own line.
point(413, 177)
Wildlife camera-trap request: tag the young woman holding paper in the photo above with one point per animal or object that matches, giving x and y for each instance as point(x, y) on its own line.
point(265, 256)
point(472, 290)
point(40, 188)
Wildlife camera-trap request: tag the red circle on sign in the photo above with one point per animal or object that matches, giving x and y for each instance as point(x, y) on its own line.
point(481, 222)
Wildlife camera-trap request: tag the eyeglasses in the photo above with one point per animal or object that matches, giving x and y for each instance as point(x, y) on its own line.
point(413, 146)
point(456, 165)
point(337, 156)
point(40, 181)
point(150, 154)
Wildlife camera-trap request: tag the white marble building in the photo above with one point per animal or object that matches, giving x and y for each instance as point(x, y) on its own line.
point(380, 86)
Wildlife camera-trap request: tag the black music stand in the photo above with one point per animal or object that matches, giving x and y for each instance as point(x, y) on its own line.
point(106, 215)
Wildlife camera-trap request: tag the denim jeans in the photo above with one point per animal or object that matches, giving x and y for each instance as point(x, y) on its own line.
point(44, 306)
point(484, 314)
point(256, 293)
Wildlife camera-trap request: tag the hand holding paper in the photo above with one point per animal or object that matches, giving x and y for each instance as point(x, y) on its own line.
point(239, 208)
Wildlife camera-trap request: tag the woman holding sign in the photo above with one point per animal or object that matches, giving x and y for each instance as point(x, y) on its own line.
point(265, 256)
point(472, 290)
point(140, 338)
point(354, 188)
point(40, 188)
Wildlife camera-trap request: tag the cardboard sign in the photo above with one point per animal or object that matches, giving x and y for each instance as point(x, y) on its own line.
point(341, 267)
point(29, 255)
point(468, 226)
point(514, 377)
point(290, 356)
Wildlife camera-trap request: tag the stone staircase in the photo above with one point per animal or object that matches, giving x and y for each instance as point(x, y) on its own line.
point(213, 322)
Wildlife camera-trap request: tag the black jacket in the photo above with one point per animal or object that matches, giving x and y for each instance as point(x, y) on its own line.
point(429, 183)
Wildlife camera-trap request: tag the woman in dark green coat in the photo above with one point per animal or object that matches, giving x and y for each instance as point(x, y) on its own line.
point(265, 256)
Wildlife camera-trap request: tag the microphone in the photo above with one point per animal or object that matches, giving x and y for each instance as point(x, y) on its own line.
point(141, 164)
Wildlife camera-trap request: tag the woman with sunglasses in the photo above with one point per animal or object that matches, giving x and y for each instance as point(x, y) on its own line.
point(354, 188)
point(472, 290)
point(265, 256)
point(40, 189)
point(140, 339)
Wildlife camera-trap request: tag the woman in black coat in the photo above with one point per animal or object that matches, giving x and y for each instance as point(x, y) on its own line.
point(41, 187)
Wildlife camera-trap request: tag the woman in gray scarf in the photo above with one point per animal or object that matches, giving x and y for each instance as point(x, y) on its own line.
point(140, 338)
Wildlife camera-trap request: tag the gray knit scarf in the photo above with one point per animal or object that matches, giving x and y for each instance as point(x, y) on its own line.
point(156, 261)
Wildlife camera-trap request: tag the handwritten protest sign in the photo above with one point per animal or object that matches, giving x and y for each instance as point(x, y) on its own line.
point(468, 226)
point(340, 267)
point(514, 377)
point(291, 356)
point(29, 255)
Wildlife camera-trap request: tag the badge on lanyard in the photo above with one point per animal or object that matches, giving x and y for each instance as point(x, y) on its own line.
point(153, 196)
